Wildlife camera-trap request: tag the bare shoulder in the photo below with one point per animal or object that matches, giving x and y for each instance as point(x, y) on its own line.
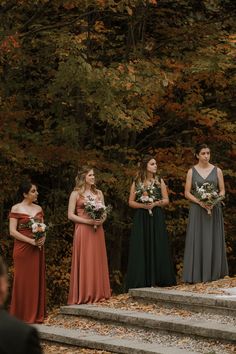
point(16, 208)
point(190, 171)
point(162, 182)
point(99, 192)
point(219, 171)
point(37, 207)
point(74, 194)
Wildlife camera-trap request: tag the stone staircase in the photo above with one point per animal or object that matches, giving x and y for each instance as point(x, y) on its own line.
point(152, 320)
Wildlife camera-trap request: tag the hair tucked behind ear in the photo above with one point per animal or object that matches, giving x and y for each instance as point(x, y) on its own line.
point(80, 180)
point(24, 188)
point(199, 147)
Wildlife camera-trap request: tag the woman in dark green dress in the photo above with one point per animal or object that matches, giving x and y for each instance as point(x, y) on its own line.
point(150, 262)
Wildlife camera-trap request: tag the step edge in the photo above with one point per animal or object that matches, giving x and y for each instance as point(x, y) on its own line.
point(100, 340)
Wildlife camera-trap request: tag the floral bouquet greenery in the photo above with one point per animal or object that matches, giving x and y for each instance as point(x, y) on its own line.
point(96, 209)
point(208, 194)
point(147, 194)
point(38, 228)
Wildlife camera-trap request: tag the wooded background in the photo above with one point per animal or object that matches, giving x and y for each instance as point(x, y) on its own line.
point(104, 82)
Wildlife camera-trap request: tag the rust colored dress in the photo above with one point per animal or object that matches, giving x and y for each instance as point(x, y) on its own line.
point(28, 292)
point(89, 279)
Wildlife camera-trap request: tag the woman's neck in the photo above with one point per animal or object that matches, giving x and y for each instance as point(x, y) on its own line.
point(149, 177)
point(88, 188)
point(203, 164)
point(26, 203)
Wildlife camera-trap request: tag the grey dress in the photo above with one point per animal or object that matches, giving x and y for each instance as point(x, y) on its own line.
point(205, 253)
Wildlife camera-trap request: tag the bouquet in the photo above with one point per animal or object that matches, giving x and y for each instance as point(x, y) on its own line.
point(148, 194)
point(96, 209)
point(208, 194)
point(38, 228)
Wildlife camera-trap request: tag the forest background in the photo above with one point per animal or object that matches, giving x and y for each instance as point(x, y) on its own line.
point(104, 82)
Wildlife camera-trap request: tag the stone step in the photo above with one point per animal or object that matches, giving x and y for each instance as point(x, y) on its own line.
point(201, 328)
point(214, 303)
point(78, 338)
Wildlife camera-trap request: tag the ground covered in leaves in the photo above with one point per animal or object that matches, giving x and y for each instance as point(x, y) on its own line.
point(49, 348)
point(126, 302)
point(215, 287)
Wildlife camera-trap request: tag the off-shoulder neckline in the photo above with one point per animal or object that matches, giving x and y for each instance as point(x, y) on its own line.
point(31, 217)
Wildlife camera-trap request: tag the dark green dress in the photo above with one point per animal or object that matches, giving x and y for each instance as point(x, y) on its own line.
point(150, 262)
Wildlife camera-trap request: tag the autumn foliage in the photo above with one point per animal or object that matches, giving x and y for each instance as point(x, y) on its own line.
point(107, 81)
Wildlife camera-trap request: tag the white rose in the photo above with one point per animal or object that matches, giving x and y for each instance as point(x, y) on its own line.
point(34, 227)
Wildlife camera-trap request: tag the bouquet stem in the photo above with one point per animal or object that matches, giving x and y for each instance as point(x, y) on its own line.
point(95, 228)
point(150, 212)
point(208, 211)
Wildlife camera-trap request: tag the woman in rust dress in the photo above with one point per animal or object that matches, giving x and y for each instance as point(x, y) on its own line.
point(89, 280)
point(28, 292)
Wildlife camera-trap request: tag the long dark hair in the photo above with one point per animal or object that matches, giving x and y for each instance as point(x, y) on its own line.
point(142, 172)
point(24, 188)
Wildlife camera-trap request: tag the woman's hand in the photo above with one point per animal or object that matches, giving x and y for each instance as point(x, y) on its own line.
point(96, 222)
point(204, 206)
point(40, 241)
point(148, 206)
point(158, 203)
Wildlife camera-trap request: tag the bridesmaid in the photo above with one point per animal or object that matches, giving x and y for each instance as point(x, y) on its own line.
point(89, 280)
point(205, 253)
point(28, 292)
point(150, 262)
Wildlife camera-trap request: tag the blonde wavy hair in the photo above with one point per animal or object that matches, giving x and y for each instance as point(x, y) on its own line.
point(80, 180)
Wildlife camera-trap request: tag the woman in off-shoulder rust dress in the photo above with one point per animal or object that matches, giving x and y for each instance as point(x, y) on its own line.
point(28, 292)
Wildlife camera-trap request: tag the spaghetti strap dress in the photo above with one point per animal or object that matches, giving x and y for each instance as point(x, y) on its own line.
point(89, 279)
point(205, 252)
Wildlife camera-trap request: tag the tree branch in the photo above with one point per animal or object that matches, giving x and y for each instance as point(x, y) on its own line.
point(57, 26)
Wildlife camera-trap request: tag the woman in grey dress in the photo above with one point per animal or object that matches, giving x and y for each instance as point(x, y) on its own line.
point(205, 253)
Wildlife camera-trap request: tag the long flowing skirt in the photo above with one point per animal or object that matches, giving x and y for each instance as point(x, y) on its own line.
point(89, 280)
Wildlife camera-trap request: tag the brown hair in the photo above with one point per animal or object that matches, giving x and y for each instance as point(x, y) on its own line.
point(199, 147)
point(24, 188)
point(80, 180)
point(142, 173)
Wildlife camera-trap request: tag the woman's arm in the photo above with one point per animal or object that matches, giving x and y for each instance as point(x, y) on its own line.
point(134, 204)
point(221, 182)
point(188, 187)
point(101, 198)
point(165, 199)
point(17, 235)
point(71, 211)
point(189, 195)
point(13, 223)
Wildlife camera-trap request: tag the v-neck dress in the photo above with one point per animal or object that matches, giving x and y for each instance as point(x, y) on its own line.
point(205, 251)
point(29, 288)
